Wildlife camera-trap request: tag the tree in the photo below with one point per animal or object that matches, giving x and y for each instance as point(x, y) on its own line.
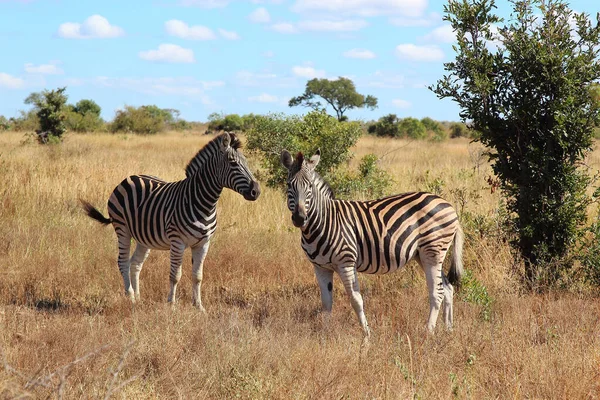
point(49, 106)
point(340, 94)
point(531, 101)
point(86, 106)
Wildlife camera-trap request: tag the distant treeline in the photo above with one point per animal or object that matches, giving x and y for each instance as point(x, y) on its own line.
point(85, 116)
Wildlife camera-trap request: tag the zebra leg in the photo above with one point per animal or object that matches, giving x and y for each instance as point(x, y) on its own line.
point(137, 261)
point(349, 278)
point(433, 276)
point(448, 300)
point(177, 249)
point(124, 244)
point(325, 280)
point(198, 256)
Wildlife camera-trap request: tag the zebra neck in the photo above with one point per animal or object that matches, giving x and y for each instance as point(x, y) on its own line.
point(206, 189)
point(321, 212)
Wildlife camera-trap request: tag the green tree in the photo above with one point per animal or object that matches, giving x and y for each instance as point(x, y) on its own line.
point(49, 106)
point(340, 94)
point(412, 128)
point(273, 133)
point(86, 106)
point(529, 98)
point(385, 126)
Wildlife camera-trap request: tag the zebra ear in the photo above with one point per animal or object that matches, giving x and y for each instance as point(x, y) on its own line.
point(314, 160)
point(286, 159)
point(226, 140)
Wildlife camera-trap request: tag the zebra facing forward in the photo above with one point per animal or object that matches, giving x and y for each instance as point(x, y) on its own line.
point(174, 215)
point(374, 237)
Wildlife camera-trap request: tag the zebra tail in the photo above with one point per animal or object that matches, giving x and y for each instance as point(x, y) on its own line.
point(456, 265)
point(93, 212)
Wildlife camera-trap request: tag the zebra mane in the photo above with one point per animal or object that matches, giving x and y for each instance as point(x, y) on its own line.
point(322, 185)
point(208, 150)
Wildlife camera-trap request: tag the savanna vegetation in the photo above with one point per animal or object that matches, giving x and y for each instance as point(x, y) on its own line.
point(69, 332)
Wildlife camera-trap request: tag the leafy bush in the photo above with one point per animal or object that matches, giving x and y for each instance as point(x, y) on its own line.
point(412, 128)
point(274, 132)
point(27, 122)
point(50, 110)
point(229, 122)
point(386, 126)
point(86, 106)
point(369, 182)
point(458, 130)
point(144, 119)
point(472, 291)
point(4, 123)
point(87, 122)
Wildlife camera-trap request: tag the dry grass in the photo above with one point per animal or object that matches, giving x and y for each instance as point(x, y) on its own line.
point(67, 331)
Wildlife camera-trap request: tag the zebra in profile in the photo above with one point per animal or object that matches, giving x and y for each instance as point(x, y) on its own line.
point(175, 215)
point(374, 237)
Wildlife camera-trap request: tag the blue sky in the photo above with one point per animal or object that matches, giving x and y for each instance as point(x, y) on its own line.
point(231, 56)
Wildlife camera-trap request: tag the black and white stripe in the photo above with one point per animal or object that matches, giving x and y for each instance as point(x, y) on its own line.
point(175, 215)
point(374, 237)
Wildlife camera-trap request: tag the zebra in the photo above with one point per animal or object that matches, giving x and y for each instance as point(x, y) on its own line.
point(374, 237)
point(175, 215)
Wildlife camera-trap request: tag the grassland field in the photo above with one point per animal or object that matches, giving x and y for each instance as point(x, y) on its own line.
point(67, 330)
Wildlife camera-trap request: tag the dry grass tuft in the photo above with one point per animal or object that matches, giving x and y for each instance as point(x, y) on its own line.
point(68, 332)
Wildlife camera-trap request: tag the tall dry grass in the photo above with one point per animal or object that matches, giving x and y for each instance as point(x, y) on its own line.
point(67, 331)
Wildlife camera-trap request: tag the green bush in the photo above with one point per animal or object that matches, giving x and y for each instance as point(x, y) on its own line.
point(87, 122)
point(28, 121)
point(144, 119)
point(4, 123)
point(458, 130)
point(412, 128)
point(232, 122)
point(50, 109)
point(275, 132)
point(472, 291)
point(385, 126)
point(369, 182)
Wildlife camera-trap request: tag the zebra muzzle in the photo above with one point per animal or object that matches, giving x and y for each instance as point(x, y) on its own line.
point(299, 219)
point(253, 191)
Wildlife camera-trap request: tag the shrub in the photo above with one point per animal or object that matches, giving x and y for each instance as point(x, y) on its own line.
point(412, 128)
point(385, 126)
point(143, 119)
point(369, 182)
point(27, 122)
point(49, 107)
point(232, 122)
point(458, 130)
point(275, 132)
point(4, 123)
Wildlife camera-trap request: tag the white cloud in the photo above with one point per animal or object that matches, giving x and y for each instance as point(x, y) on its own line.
point(44, 69)
point(401, 103)
point(364, 8)
point(413, 52)
point(383, 80)
point(323, 25)
point(332, 26)
point(284, 27)
point(264, 79)
point(180, 29)
point(428, 20)
point(95, 27)
point(188, 87)
point(264, 98)
point(170, 53)
point(204, 3)
point(260, 16)
point(308, 72)
point(229, 35)
point(441, 34)
point(359, 53)
point(10, 82)
point(268, 54)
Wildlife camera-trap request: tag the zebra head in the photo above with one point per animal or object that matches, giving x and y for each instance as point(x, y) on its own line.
point(301, 174)
point(234, 171)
